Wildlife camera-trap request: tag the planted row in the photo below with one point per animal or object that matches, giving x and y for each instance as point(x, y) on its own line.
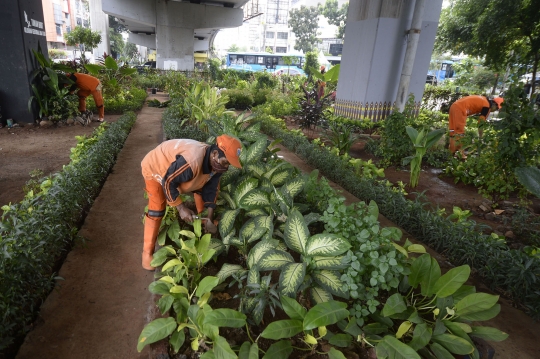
point(36, 232)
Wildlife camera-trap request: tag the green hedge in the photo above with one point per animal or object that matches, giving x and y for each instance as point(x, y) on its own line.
point(35, 233)
point(512, 271)
point(128, 100)
point(174, 128)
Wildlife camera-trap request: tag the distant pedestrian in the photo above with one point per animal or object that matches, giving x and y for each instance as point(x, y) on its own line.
point(88, 85)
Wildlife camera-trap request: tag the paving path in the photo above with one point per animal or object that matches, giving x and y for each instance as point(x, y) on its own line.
point(101, 306)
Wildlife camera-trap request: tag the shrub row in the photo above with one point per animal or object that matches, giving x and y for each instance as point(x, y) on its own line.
point(37, 232)
point(127, 100)
point(512, 271)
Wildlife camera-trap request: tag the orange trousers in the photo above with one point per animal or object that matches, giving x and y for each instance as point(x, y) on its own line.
point(98, 99)
point(456, 125)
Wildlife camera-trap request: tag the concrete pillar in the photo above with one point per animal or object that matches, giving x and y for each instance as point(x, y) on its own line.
point(99, 21)
point(373, 54)
point(174, 48)
point(148, 41)
point(21, 30)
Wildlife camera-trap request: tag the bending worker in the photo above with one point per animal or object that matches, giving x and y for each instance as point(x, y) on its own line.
point(467, 106)
point(88, 85)
point(182, 166)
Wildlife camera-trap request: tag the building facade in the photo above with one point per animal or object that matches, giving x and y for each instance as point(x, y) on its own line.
point(61, 16)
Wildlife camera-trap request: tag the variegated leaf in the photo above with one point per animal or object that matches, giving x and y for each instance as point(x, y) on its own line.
point(320, 295)
point(226, 224)
point(294, 186)
point(251, 136)
point(284, 200)
point(244, 187)
point(255, 198)
point(254, 127)
point(247, 229)
point(329, 280)
point(237, 242)
point(332, 263)
point(228, 199)
point(326, 245)
point(216, 245)
point(256, 169)
point(274, 168)
point(280, 177)
point(274, 260)
point(311, 218)
point(266, 222)
point(292, 275)
point(265, 184)
point(257, 212)
point(296, 232)
point(258, 250)
point(281, 247)
point(228, 270)
point(254, 152)
point(230, 176)
point(254, 277)
point(227, 238)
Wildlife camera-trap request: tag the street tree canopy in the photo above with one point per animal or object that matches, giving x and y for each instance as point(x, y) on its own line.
point(83, 36)
point(500, 31)
point(336, 15)
point(304, 23)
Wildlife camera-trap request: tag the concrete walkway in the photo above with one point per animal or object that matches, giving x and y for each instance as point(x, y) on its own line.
point(101, 306)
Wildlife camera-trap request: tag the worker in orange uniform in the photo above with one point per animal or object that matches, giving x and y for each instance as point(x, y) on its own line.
point(183, 166)
point(467, 106)
point(88, 85)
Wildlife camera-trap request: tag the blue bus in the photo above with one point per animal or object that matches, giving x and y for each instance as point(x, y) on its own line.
point(261, 61)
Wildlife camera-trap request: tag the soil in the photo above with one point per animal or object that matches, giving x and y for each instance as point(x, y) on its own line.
point(100, 307)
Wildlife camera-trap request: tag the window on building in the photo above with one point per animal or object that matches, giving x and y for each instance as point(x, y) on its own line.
point(58, 30)
point(79, 21)
point(269, 34)
point(276, 16)
point(283, 35)
point(281, 50)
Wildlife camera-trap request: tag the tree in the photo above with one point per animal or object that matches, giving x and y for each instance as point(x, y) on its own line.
point(233, 48)
point(269, 50)
point(304, 23)
point(116, 40)
point(130, 51)
point(336, 16)
point(312, 63)
point(85, 38)
point(500, 31)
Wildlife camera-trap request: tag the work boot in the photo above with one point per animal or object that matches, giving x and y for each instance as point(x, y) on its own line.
point(151, 230)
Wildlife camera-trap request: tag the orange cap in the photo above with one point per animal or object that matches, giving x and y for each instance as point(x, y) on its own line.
point(498, 101)
point(232, 148)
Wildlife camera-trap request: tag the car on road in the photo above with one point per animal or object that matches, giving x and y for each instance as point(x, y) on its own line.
point(147, 65)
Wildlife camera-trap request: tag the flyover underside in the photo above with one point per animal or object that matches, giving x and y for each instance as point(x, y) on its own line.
point(175, 29)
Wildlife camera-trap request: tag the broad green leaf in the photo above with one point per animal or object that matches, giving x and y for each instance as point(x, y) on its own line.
point(488, 333)
point(206, 285)
point(375, 328)
point(254, 351)
point(156, 330)
point(256, 169)
point(293, 187)
point(320, 295)
point(403, 328)
point(373, 209)
point(324, 314)
point(291, 277)
point(292, 308)
point(282, 329)
point(165, 303)
point(177, 340)
point(296, 232)
point(174, 231)
point(179, 289)
point(254, 152)
point(244, 187)
point(274, 260)
point(279, 350)
point(110, 63)
point(483, 315)
point(392, 348)
point(244, 350)
point(330, 280)
point(341, 340)
point(529, 177)
point(394, 304)
point(440, 352)
point(401, 249)
point(419, 268)
point(428, 282)
point(228, 270)
point(279, 177)
point(416, 248)
point(476, 302)
point(413, 133)
point(208, 355)
point(159, 288)
point(453, 343)
point(332, 263)
point(255, 198)
point(326, 245)
point(224, 317)
point(222, 349)
point(458, 330)
point(172, 263)
point(451, 281)
point(258, 251)
point(421, 336)
point(226, 224)
point(335, 354)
